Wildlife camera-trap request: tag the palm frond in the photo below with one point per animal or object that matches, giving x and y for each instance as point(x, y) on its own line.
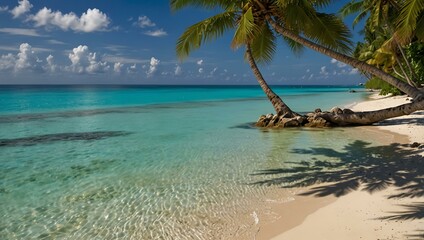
point(351, 8)
point(359, 18)
point(296, 15)
point(263, 44)
point(204, 31)
point(321, 3)
point(246, 26)
point(407, 21)
point(207, 4)
point(330, 31)
point(294, 46)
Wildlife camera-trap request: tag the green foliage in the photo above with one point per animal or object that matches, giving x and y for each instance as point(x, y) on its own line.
point(207, 4)
point(204, 31)
point(264, 44)
point(376, 83)
point(410, 19)
point(246, 26)
point(415, 54)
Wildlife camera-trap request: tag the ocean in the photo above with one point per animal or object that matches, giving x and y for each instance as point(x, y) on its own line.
point(151, 162)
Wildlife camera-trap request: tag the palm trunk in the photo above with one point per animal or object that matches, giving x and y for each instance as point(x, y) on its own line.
point(411, 71)
point(403, 70)
point(404, 87)
point(370, 117)
point(280, 107)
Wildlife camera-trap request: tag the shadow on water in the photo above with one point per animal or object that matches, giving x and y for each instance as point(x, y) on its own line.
point(357, 166)
point(60, 137)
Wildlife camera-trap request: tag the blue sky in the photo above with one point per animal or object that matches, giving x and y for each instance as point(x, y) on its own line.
point(133, 42)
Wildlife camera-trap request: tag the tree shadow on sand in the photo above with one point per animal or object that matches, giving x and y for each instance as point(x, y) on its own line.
point(357, 166)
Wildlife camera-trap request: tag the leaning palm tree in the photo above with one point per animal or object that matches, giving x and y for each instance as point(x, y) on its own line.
point(300, 25)
point(241, 20)
point(254, 33)
point(276, 13)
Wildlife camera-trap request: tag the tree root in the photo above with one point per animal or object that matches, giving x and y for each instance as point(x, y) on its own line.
point(339, 117)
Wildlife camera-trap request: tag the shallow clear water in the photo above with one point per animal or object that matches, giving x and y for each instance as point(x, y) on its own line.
point(147, 163)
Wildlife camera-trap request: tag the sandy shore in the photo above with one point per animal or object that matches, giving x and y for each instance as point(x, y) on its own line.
point(380, 197)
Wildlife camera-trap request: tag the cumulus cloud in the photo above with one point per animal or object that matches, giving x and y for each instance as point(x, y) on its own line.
point(200, 62)
point(20, 31)
point(23, 7)
point(201, 70)
point(25, 60)
point(7, 62)
point(90, 21)
point(153, 66)
point(50, 66)
point(117, 67)
point(144, 21)
point(178, 70)
point(132, 68)
point(156, 33)
point(84, 61)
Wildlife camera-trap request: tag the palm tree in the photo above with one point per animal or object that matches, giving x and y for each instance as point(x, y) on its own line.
point(253, 32)
point(276, 14)
point(382, 18)
point(300, 25)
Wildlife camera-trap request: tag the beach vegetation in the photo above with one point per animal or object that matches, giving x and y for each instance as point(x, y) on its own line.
point(258, 23)
point(393, 34)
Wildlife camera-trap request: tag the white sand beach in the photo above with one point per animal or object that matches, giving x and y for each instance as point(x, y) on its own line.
point(387, 211)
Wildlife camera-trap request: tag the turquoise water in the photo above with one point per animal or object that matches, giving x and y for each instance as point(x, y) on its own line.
point(147, 162)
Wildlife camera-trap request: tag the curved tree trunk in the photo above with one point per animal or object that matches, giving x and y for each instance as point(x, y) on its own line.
point(280, 107)
point(370, 117)
point(404, 87)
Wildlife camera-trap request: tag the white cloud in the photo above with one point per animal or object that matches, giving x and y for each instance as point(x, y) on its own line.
point(20, 31)
point(156, 33)
point(84, 61)
point(311, 76)
point(353, 71)
point(90, 21)
point(338, 63)
point(52, 41)
point(8, 48)
point(117, 67)
point(201, 70)
point(178, 70)
point(144, 21)
point(7, 62)
point(132, 68)
point(323, 71)
point(26, 58)
point(4, 8)
point(213, 71)
point(308, 70)
point(200, 62)
point(115, 59)
point(153, 66)
point(50, 66)
point(23, 7)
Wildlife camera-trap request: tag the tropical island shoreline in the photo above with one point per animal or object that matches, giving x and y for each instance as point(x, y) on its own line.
point(387, 211)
